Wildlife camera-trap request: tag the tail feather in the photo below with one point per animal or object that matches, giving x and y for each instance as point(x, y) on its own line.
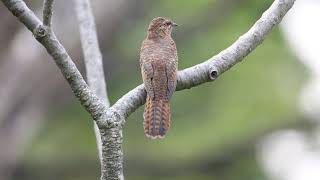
point(156, 118)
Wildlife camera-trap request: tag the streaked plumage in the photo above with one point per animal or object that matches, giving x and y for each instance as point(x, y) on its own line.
point(159, 66)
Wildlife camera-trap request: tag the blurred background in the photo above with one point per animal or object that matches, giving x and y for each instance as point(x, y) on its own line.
point(259, 120)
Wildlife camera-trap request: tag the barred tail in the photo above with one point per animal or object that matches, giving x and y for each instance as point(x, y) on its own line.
point(156, 118)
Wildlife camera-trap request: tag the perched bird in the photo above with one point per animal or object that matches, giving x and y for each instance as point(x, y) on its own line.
point(159, 66)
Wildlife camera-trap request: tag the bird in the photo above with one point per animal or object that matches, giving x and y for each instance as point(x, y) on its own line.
point(159, 67)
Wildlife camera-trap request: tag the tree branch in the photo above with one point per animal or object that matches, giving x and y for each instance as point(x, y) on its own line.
point(69, 70)
point(47, 12)
point(94, 66)
point(216, 65)
point(90, 47)
point(110, 120)
point(110, 124)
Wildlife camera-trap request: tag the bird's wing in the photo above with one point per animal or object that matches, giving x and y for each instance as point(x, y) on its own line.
point(171, 72)
point(147, 76)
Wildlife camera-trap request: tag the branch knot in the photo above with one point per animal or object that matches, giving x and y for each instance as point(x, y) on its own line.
point(40, 31)
point(213, 73)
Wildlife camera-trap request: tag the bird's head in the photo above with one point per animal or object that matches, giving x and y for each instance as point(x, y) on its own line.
point(160, 27)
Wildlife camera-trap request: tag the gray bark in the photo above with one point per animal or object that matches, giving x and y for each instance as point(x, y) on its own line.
point(24, 65)
point(47, 12)
point(95, 74)
point(110, 120)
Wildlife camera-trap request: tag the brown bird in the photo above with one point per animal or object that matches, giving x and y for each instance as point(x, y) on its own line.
point(159, 66)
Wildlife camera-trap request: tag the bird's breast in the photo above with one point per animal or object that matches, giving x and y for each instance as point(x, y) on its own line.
point(158, 51)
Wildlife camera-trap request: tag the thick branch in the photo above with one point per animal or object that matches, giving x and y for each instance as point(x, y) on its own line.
point(218, 64)
point(110, 150)
point(48, 39)
point(47, 12)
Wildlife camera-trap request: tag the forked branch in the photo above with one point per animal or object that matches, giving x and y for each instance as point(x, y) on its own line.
point(92, 58)
point(110, 120)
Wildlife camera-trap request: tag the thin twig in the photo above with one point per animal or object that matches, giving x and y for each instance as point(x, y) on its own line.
point(47, 12)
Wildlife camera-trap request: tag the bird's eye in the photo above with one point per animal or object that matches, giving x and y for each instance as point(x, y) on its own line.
point(168, 23)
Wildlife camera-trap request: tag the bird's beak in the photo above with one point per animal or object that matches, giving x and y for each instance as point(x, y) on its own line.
point(174, 24)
